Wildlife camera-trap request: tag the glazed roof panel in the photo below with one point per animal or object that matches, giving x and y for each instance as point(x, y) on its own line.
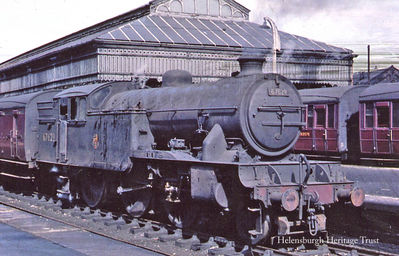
point(223, 33)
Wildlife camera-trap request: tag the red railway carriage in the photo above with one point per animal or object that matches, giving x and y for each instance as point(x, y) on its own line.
point(332, 121)
point(379, 122)
point(18, 126)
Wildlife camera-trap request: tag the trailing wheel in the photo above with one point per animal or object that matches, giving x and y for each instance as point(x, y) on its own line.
point(93, 187)
point(252, 224)
point(136, 190)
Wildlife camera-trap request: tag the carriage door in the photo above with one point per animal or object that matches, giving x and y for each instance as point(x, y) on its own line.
point(62, 129)
point(14, 135)
point(320, 127)
point(395, 128)
point(383, 124)
point(331, 133)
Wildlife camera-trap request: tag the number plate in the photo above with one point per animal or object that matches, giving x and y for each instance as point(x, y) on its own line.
point(278, 92)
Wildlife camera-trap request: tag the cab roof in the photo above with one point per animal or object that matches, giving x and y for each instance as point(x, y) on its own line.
point(79, 90)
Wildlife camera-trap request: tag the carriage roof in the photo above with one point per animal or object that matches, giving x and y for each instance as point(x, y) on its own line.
point(378, 92)
point(328, 95)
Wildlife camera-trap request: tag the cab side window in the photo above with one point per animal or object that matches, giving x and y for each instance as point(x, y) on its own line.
point(73, 109)
point(82, 109)
point(63, 109)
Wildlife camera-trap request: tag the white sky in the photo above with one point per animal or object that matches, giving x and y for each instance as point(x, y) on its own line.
point(26, 24)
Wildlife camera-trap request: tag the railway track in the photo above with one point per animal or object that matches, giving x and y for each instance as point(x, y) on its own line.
point(158, 237)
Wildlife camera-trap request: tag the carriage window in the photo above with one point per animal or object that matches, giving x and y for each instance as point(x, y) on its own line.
point(320, 117)
point(369, 115)
point(331, 116)
point(310, 116)
point(395, 114)
point(382, 116)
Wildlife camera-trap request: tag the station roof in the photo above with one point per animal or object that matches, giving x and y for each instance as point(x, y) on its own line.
point(177, 30)
point(382, 91)
point(386, 75)
point(159, 24)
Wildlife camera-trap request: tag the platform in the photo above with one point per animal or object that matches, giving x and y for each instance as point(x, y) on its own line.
point(22, 233)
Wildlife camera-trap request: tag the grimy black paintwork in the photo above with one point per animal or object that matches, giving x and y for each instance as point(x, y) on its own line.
point(222, 146)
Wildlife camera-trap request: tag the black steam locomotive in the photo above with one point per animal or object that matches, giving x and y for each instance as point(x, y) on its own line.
point(224, 145)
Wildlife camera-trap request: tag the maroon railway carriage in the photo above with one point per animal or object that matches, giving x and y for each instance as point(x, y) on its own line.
point(18, 127)
point(332, 121)
point(379, 122)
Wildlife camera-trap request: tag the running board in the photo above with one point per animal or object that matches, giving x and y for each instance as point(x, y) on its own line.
point(16, 176)
point(13, 162)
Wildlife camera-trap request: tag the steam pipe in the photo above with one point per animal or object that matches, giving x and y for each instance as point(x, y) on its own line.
point(276, 42)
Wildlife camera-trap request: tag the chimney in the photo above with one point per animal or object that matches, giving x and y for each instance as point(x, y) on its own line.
point(251, 64)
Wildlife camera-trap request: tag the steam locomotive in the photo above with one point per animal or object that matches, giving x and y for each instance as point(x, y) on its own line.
point(224, 145)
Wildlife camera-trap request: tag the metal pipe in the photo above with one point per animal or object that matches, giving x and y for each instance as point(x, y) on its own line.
point(368, 63)
point(276, 42)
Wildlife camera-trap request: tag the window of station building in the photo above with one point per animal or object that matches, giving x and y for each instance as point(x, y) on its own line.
point(214, 7)
point(176, 6)
point(202, 6)
point(395, 114)
point(310, 116)
point(320, 117)
point(226, 11)
point(369, 109)
point(189, 6)
point(382, 116)
point(238, 15)
point(331, 115)
point(163, 9)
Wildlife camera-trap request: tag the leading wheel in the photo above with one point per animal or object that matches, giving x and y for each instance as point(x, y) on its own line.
point(252, 224)
point(93, 187)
